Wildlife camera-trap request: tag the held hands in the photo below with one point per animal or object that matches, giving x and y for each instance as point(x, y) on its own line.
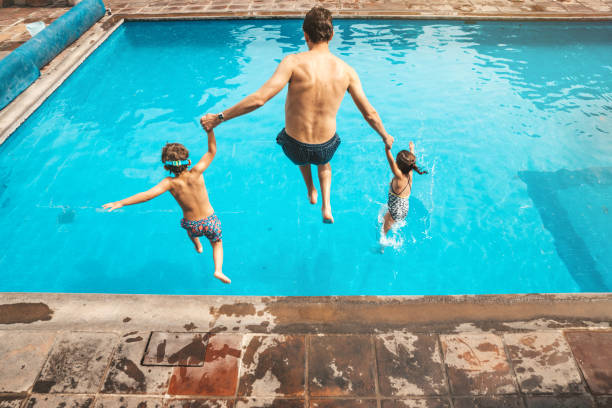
point(388, 141)
point(209, 121)
point(112, 206)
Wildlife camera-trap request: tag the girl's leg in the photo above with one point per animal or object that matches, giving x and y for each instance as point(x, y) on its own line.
point(217, 248)
point(388, 223)
point(312, 191)
point(196, 243)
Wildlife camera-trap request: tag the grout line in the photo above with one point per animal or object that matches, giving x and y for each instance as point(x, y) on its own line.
point(306, 367)
point(376, 385)
point(587, 388)
point(444, 370)
point(510, 364)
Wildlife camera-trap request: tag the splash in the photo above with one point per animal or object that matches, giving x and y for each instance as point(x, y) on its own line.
point(393, 239)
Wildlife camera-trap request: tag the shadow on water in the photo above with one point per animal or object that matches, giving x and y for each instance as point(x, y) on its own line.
point(543, 188)
point(417, 222)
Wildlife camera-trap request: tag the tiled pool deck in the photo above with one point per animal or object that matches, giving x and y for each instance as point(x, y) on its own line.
point(100, 351)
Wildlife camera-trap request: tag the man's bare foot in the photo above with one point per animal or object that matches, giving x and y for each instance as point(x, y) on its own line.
point(222, 277)
point(313, 195)
point(327, 215)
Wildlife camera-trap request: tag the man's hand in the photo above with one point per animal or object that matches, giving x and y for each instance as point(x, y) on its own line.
point(388, 141)
point(112, 206)
point(209, 121)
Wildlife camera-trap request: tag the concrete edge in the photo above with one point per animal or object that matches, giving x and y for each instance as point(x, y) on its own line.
point(334, 314)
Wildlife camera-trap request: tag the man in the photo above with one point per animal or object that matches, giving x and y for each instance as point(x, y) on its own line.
point(317, 83)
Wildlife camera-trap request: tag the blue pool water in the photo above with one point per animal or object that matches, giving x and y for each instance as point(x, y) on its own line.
point(513, 122)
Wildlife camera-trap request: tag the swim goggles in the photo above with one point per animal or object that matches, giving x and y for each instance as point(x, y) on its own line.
point(177, 163)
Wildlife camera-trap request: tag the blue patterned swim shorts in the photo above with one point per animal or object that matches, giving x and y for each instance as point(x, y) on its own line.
point(209, 227)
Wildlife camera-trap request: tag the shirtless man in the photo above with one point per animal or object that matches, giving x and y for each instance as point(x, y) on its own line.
point(317, 81)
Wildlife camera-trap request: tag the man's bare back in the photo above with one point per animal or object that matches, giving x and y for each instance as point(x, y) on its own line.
point(317, 86)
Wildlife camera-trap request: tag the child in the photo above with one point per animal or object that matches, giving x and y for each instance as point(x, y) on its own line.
point(188, 189)
point(402, 168)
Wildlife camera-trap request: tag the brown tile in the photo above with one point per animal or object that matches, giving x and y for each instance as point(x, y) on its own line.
point(583, 401)
point(340, 403)
point(416, 403)
point(219, 374)
point(173, 349)
point(341, 365)
point(22, 354)
point(76, 363)
point(125, 401)
point(593, 353)
point(269, 403)
point(477, 364)
point(543, 362)
point(11, 401)
point(127, 376)
point(506, 401)
point(202, 403)
point(409, 364)
point(59, 401)
point(273, 366)
point(603, 401)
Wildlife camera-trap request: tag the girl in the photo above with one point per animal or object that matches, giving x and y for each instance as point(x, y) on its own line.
point(401, 185)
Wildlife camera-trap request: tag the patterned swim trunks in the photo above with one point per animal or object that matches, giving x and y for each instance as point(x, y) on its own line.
point(209, 227)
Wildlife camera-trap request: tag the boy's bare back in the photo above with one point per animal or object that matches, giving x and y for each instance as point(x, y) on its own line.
point(190, 193)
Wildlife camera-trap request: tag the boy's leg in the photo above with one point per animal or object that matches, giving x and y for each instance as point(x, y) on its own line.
point(325, 175)
point(196, 243)
point(388, 223)
point(217, 248)
point(312, 191)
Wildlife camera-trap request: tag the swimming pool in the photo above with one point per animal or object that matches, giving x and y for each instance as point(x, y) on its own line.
point(512, 120)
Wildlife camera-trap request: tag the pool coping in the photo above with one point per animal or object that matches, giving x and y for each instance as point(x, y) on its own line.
point(304, 314)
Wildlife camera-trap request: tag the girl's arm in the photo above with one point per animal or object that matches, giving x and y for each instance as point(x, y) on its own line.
point(394, 169)
point(208, 156)
point(160, 188)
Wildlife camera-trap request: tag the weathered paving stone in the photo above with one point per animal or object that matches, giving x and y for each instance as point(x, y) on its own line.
point(543, 362)
point(506, 401)
point(416, 403)
point(603, 402)
point(127, 402)
point(59, 401)
point(76, 364)
point(582, 401)
point(202, 403)
point(219, 374)
point(22, 355)
point(335, 403)
point(273, 366)
point(11, 401)
point(477, 364)
point(593, 352)
point(341, 365)
point(174, 349)
point(409, 364)
point(269, 403)
point(127, 376)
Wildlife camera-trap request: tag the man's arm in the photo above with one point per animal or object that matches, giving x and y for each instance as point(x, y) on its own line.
point(366, 109)
point(277, 81)
point(209, 155)
point(160, 188)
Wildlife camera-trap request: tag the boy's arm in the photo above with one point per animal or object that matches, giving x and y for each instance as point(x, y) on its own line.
point(274, 85)
point(366, 109)
point(160, 188)
point(394, 169)
point(209, 155)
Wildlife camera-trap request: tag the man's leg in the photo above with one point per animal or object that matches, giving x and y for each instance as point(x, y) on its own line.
point(325, 175)
point(312, 191)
